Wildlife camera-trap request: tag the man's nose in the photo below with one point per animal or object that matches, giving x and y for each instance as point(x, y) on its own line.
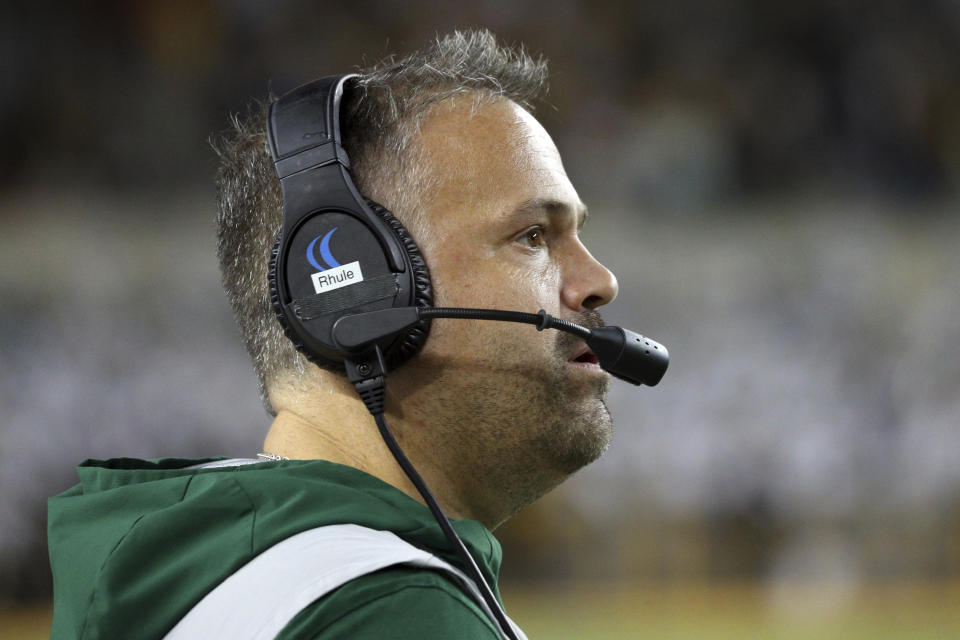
point(587, 283)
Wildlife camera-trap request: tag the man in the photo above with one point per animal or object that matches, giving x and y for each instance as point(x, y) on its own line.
point(492, 415)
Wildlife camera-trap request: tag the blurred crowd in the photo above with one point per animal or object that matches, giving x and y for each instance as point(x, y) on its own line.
point(720, 99)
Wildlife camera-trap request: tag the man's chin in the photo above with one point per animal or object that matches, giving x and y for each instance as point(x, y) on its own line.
point(582, 438)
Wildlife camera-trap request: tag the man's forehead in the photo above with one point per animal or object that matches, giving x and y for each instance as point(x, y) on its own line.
point(495, 127)
point(499, 155)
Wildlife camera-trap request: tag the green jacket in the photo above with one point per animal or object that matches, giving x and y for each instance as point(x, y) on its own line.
point(137, 543)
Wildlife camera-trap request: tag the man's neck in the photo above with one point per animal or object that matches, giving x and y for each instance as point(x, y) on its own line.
point(341, 430)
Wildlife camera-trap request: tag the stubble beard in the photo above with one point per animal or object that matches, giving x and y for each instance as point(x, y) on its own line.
point(521, 428)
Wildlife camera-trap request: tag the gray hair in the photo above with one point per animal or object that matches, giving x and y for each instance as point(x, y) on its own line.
point(380, 118)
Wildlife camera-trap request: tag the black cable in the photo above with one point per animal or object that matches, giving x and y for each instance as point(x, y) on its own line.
point(542, 320)
point(461, 550)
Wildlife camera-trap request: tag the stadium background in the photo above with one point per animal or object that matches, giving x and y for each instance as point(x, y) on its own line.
point(775, 184)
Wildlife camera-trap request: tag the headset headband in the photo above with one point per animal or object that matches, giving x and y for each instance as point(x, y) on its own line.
point(304, 126)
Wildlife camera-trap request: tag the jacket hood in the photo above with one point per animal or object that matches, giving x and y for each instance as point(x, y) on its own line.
point(137, 542)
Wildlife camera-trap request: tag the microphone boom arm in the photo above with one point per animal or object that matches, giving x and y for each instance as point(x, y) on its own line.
point(621, 352)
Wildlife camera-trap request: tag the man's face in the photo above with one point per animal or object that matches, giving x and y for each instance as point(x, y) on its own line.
point(501, 230)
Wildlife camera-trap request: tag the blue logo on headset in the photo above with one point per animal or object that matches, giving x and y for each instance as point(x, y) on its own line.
point(324, 253)
point(334, 275)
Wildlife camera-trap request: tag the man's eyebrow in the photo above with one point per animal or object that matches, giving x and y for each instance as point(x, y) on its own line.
point(553, 208)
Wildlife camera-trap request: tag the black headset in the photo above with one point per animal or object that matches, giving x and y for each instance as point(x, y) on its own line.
point(351, 289)
point(337, 252)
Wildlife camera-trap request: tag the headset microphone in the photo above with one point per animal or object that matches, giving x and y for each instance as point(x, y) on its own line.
point(620, 352)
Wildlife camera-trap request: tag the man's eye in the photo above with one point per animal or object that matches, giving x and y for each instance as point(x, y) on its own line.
point(534, 238)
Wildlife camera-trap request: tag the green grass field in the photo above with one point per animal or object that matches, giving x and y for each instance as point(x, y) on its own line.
point(907, 611)
point(741, 611)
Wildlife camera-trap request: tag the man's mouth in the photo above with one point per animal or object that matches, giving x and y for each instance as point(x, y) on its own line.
point(584, 356)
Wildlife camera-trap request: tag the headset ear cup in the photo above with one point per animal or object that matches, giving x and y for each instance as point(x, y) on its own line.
point(411, 342)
